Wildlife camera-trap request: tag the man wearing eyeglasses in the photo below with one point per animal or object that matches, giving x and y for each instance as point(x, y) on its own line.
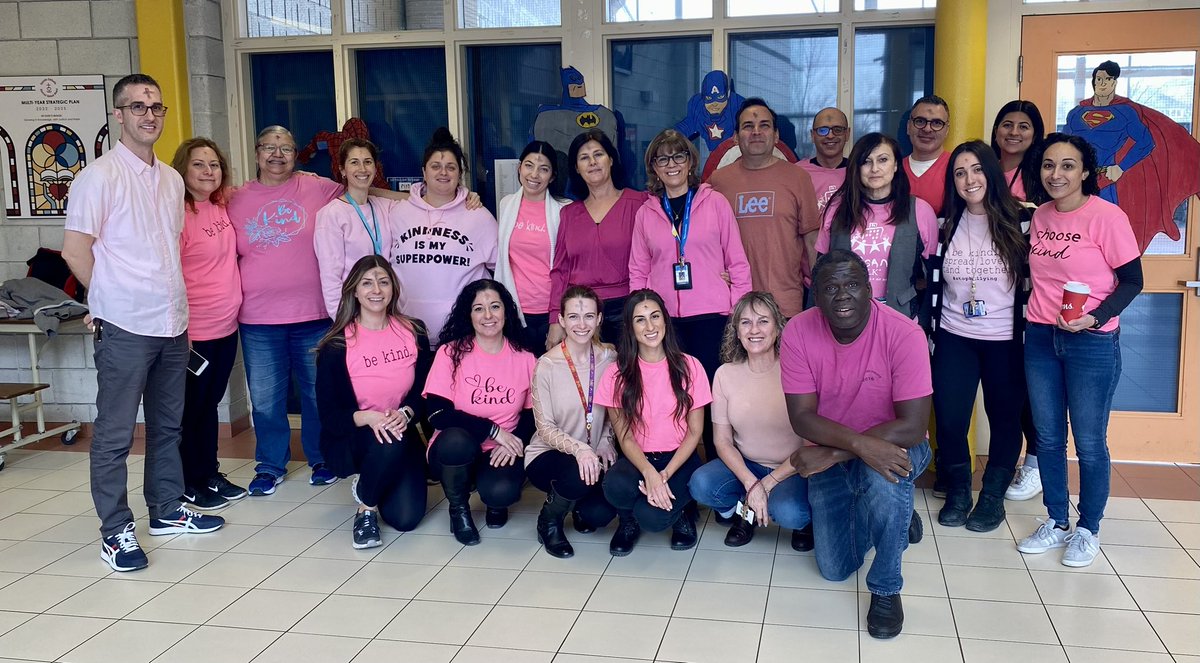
point(830, 133)
point(775, 207)
point(926, 166)
point(123, 224)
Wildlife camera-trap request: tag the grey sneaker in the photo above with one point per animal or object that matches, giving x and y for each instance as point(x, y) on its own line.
point(1045, 538)
point(1082, 548)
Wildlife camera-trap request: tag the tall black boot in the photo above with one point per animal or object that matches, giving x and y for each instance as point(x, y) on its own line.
point(989, 512)
point(456, 482)
point(958, 494)
point(550, 527)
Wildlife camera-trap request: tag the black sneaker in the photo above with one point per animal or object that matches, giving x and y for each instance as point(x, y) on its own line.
point(185, 521)
point(122, 552)
point(203, 499)
point(366, 530)
point(916, 529)
point(221, 485)
point(885, 618)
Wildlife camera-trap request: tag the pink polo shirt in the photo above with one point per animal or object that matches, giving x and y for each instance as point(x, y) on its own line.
point(208, 252)
point(134, 210)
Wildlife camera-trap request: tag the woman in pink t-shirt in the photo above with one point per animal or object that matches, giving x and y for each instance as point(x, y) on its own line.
point(655, 395)
point(752, 431)
point(478, 396)
point(1017, 136)
point(529, 220)
point(371, 369)
point(978, 297)
point(874, 215)
point(208, 254)
point(1074, 366)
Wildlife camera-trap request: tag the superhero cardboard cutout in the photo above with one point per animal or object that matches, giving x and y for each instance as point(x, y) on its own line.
point(332, 142)
point(559, 124)
point(712, 112)
point(1148, 163)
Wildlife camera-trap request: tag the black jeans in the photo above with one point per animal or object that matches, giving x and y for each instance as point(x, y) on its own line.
point(202, 395)
point(614, 317)
point(391, 477)
point(557, 471)
point(499, 487)
point(959, 365)
point(537, 325)
point(700, 336)
point(621, 489)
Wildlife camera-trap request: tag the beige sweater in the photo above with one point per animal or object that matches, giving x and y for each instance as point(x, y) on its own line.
point(558, 411)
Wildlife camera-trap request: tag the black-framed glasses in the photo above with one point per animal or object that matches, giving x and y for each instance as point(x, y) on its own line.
point(921, 123)
point(271, 148)
point(825, 131)
point(139, 109)
point(665, 160)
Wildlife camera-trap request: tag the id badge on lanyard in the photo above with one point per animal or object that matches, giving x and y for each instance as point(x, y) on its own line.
point(681, 270)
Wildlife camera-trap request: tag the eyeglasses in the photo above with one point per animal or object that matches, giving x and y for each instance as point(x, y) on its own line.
point(270, 148)
point(139, 109)
point(921, 123)
point(825, 131)
point(666, 159)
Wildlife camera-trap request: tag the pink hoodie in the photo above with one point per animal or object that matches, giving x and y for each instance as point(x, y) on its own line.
point(436, 251)
point(341, 240)
point(714, 246)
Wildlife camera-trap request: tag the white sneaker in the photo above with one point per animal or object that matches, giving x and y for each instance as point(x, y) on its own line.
point(1082, 548)
point(1046, 537)
point(1026, 484)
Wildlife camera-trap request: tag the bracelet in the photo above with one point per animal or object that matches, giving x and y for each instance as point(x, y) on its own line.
point(494, 433)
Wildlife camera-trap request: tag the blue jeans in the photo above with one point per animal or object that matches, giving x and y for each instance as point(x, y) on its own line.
point(854, 508)
point(1072, 376)
point(718, 488)
point(272, 354)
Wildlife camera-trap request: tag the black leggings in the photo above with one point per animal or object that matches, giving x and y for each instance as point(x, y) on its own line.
point(391, 477)
point(621, 489)
point(557, 471)
point(498, 487)
point(537, 326)
point(959, 365)
point(701, 336)
point(202, 395)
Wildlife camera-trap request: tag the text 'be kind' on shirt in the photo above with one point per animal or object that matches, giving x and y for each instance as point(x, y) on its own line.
point(494, 387)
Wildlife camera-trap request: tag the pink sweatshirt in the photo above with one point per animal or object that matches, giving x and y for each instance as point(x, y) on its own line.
point(714, 246)
point(438, 250)
point(341, 239)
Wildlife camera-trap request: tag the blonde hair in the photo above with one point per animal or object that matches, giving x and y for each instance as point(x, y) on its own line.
point(732, 350)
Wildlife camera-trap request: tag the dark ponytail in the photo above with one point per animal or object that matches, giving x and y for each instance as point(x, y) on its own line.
point(443, 141)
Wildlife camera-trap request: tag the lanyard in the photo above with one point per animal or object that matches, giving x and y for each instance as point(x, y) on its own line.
point(376, 239)
point(680, 234)
point(586, 402)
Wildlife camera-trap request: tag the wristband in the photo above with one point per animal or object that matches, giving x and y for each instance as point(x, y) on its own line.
point(495, 432)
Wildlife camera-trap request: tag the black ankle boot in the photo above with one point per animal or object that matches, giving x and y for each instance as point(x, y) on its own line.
point(580, 523)
point(885, 618)
point(740, 533)
point(626, 536)
point(802, 539)
point(496, 517)
point(916, 529)
point(456, 482)
point(958, 494)
point(550, 526)
point(683, 532)
point(989, 512)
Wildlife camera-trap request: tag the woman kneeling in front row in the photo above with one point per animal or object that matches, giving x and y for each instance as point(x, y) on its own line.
point(655, 395)
point(371, 368)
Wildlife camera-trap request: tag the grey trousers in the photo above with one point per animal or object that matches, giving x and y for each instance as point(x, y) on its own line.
point(131, 369)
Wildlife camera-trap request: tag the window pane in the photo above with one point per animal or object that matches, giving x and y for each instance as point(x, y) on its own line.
point(505, 86)
point(287, 18)
point(1163, 81)
point(1151, 329)
point(893, 67)
point(766, 65)
point(393, 15)
point(402, 97)
point(870, 5)
point(652, 80)
point(508, 14)
point(622, 11)
point(770, 7)
point(303, 104)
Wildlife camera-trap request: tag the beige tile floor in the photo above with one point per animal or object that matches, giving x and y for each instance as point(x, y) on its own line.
point(281, 583)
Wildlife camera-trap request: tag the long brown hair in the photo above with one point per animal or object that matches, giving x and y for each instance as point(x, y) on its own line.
point(183, 155)
point(349, 308)
point(629, 374)
point(1002, 208)
point(852, 196)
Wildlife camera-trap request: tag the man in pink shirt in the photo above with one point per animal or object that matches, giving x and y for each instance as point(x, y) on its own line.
point(857, 383)
point(122, 243)
point(830, 133)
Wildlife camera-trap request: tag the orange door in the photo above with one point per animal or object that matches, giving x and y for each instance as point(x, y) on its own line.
point(1157, 406)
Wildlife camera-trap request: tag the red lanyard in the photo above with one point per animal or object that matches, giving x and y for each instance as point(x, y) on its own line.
point(585, 401)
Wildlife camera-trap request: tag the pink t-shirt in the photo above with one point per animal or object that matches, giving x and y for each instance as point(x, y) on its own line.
point(972, 257)
point(1016, 185)
point(382, 364)
point(281, 282)
point(754, 405)
point(1084, 245)
point(857, 383)
point(495, 387)
point(208, 253)
point(874, 243)
point(825, 181)
point(529, 255)
point(660, 430)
